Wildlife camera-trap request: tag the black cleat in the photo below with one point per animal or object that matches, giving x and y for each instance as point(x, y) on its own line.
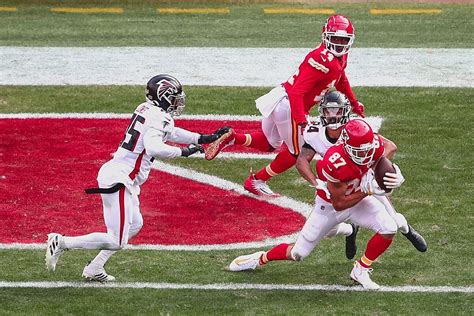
point(416, 239)
point(351, 247)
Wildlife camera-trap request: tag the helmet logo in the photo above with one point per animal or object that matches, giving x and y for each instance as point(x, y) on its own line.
point(165, 89)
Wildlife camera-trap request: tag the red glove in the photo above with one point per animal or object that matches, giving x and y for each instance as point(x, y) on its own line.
point(358, 109)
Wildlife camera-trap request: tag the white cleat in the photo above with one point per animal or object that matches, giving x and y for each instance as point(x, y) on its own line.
point(246, 262)
point(95, 272)
point(53, 251)
point(361, 275)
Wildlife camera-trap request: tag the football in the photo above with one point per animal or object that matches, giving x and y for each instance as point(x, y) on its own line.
point(383, 166)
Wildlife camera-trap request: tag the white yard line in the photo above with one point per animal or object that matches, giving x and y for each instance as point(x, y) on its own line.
point(236, 286)
point(403, 67)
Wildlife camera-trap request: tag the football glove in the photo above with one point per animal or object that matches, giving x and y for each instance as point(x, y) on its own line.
point(209, 138)
point(393, 180)
point(369, 186)
point(191, 149)
point(358, 109)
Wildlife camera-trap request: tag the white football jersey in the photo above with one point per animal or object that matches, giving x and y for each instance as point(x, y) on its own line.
point(144, 140)
point(315, 136)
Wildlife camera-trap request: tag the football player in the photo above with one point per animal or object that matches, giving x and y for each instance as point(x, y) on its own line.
point(334, 112)
point(120, 178)
point(345, 192)
point(285, 108)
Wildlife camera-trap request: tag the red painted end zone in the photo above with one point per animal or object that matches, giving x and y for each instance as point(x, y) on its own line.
point(45, 164)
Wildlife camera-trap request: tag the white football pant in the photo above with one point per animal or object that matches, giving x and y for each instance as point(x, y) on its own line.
point(279, 127)
point(123, 221)
point(368, 213)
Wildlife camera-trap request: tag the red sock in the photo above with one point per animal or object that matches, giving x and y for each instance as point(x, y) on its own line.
point(375, 247)
point(276, 253)
point(283, 161)
point(254, 140)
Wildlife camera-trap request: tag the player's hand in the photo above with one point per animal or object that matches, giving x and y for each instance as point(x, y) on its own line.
point(358, 109)
point(369, 186)
point(209, 138)
point(321, 185)
point(191, 149)
point(393, 180)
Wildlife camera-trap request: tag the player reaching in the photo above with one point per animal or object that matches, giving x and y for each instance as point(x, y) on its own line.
point(119, 179)
point(346, 170)
point(284, 109)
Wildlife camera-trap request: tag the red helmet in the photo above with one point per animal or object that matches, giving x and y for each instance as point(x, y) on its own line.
point(338, 35)
point(358, 140)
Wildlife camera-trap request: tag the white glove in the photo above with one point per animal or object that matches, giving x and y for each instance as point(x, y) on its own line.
point(393, 180)
point(321, 185)
point(369, 186)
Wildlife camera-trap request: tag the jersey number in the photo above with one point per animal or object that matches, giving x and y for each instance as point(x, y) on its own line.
point(337, 160)
point(134, 134)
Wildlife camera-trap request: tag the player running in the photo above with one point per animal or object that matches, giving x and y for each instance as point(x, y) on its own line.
point(284, 109)
point(120, 178)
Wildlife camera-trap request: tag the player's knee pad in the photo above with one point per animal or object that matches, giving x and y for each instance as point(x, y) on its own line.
point(388, 226)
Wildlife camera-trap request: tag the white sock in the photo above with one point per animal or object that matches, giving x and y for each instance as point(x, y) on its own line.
point(90, 241)
point(103, 256)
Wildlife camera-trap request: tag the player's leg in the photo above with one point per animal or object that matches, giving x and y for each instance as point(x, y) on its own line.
point(371, 214)
point(277, 128)
point(350, 232)
point(406, 229)
point(256, 183)
point(94, 270)
point(318, 224)
point(115, 213)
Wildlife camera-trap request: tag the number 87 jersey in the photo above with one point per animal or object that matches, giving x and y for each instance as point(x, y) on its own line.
point(338, 166)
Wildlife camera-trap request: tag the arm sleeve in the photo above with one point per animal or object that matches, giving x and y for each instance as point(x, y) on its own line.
point(154, 145)
point(180, 135)
point(344, 86)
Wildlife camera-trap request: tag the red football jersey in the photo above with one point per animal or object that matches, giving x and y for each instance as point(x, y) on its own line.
point(319, 71)
point(337, 166)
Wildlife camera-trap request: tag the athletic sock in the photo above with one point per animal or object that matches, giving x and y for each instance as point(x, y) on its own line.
point(282, 162)
point(255, 140)
point(276, 253)
point(375, 247)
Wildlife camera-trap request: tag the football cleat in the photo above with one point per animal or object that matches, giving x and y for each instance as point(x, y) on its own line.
point(416, 239)
point(361, 275)
point(258, 187)
point(95, 272)
point(53, 251)
point(219, 144)
point(246, 262)
point(351, 246)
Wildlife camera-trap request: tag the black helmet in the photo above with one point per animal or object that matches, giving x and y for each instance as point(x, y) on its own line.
point(334, 109)
point(166, 92)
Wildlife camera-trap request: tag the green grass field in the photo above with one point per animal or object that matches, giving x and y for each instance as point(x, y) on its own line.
point(246, 25)
point(432, 127)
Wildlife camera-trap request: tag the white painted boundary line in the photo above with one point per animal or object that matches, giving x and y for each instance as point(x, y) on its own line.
point(206, 117)
point(235, 286)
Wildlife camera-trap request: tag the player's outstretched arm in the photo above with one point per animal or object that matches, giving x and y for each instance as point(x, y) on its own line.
point(303, 165)
point(209, 138)
point(191, 149)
